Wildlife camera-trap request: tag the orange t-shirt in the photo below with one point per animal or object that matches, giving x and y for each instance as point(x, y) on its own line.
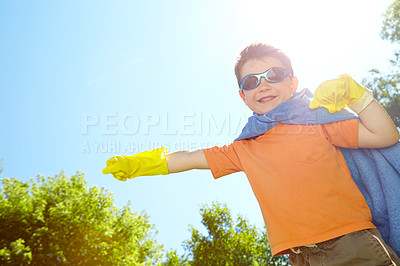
point(301, 181)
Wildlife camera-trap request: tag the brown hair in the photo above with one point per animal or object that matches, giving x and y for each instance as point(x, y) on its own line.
point(259, 50)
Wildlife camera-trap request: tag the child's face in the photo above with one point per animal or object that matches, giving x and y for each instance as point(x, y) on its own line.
point(266, 96)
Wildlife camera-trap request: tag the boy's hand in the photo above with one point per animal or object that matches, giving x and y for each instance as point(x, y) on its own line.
point(147, 163)
point(338, 93)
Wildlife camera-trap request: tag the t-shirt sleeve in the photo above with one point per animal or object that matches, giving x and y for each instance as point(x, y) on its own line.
point(342, 133)
point(222, 160)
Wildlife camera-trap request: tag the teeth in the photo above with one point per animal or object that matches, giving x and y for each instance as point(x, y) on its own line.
point(266, 98)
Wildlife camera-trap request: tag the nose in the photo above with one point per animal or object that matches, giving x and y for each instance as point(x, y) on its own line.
point(264, 84)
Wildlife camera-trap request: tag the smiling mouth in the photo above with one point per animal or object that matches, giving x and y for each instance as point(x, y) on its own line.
point(266, 99)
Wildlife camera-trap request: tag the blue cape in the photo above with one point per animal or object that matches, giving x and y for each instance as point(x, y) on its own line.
point(375, 171)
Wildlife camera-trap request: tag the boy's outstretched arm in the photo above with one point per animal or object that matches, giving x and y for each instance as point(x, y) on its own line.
point(375, 129)
point(154, 162)
point(186, 160)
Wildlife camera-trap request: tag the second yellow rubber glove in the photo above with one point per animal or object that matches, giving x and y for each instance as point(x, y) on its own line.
point(146, 163)
point(338, 93)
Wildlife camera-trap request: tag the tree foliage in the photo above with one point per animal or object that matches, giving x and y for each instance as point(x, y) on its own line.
point(1, 169)
point(391, 23)
point(227, 242)
point(59, 221)
point(386, 85)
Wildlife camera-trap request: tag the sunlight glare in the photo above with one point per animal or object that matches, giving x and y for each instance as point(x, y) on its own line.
point(323, 38)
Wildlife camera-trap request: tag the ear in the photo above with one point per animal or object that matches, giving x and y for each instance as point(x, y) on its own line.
point(293, 85)
point(241, 93)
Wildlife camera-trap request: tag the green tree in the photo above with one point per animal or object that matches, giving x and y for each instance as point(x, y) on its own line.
point(59, 221)
point(391, 24)
point(386, 85)
point(1, 169)
point(226, 243)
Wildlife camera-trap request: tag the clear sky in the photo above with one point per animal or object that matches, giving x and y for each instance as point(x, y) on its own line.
point(82, 81)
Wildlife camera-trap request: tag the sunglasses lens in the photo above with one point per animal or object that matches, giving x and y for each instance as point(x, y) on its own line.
point(249, 82)
point(276, 74)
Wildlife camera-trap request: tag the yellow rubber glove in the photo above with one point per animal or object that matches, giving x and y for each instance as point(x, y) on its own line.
point(338, 93)
point(146, 163)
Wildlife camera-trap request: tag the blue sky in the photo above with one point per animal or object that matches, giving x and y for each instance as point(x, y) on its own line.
point(82, 81)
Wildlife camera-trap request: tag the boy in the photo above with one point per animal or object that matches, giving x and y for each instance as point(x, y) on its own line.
point(311, 206)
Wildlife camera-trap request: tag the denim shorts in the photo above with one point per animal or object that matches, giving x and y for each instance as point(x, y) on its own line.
point(365, 247)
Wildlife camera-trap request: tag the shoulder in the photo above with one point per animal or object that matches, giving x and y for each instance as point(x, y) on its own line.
point(342, 133)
